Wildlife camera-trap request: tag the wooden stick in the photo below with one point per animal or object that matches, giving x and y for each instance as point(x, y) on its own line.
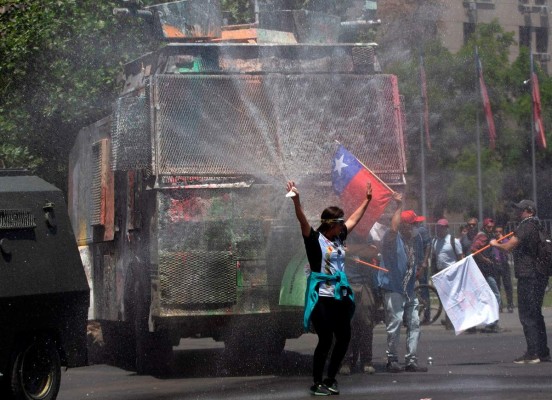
point(487, 246)
point(358, 260)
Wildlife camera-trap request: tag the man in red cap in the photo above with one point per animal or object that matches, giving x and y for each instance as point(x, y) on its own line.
point(402, 253)
point(487, 264)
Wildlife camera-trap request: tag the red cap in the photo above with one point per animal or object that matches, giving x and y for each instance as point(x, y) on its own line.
point(488, 221)
point(410, 217)
point(443, 222)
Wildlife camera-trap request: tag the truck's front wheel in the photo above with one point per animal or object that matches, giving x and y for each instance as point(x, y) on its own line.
point(154, 353)
point(35, 372)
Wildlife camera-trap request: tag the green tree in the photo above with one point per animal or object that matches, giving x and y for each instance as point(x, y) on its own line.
point(454, 103)
point(238, 11)
point(59, 62)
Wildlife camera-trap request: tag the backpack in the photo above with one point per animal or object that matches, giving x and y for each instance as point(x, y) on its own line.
point(544, 251)
point(434, 256)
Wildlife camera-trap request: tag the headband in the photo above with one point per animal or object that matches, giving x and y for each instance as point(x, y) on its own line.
point(332, 221)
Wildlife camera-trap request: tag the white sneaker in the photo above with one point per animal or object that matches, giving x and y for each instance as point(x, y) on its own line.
point(369, 369)
point(345, 370)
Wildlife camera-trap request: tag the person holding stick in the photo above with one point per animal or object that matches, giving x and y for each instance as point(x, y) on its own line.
point(531, 284)
point(329, 299)
point(363, 281)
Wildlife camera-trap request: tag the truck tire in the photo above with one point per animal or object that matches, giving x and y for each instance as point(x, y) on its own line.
point(154, 353)
point(117, 347)
point(35, 370)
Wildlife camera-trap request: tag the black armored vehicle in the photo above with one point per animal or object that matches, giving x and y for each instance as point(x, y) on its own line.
point(44, 294)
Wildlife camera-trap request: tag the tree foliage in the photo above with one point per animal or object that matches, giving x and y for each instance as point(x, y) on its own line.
point(456, 113)
point(60, 60)
point(58, 71)
point(59, 64)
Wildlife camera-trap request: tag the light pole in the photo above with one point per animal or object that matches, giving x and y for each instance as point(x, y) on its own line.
point(531, 88)
point(422, 130)
point(533, 136)
point(473, 14)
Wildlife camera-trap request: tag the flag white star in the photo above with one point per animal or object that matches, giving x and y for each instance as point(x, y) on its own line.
point(339, 165)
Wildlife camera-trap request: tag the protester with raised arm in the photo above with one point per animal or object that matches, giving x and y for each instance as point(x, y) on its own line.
point(403, 253)
point(329, 301)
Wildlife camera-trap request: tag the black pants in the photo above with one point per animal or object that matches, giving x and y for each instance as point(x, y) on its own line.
point(503, 277)
point(367, 301)
point(530, 298)
point(330, 318)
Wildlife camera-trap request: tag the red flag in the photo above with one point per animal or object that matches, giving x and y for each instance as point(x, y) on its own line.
point(537, 117)
point(487, 106)
point(349, 178)
point(423, 84)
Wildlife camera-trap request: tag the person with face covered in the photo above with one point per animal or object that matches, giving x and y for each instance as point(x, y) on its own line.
point(467, 239)
point(503, 271)
point(403, 254)
point(487, 264)
point(329, 298)
point(367, 300)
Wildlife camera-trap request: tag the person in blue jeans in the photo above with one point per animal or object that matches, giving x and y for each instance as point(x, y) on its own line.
point(402, 253)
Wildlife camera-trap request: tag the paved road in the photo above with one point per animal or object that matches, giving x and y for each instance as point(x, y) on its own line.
point(476, 366)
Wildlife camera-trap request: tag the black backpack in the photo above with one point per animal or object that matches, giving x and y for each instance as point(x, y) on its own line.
point(544, 250)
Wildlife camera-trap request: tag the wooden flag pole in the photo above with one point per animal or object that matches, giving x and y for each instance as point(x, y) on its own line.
point(487, 246)
point(358, 260)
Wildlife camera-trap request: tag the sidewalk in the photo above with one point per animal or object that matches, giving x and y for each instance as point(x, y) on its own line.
point(507, 321)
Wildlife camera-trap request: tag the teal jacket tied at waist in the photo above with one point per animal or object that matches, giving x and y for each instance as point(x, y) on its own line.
point(311, 294)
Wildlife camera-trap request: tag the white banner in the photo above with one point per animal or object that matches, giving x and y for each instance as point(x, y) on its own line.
point(466, 296)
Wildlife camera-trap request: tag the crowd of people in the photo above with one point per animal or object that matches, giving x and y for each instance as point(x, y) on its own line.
point(343, 307)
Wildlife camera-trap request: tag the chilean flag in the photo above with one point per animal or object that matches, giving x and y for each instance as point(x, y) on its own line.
point(537, 110)
point(486, 105)
point(349, 178)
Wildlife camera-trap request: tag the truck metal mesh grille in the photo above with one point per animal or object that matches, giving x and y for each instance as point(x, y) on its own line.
point(131, 142)
point(96, 190)
point(17, 219)
point(188, 278)
point(363, 55)
point(275, 125)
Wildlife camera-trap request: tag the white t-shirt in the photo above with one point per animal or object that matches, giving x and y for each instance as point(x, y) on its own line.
point(443, 251)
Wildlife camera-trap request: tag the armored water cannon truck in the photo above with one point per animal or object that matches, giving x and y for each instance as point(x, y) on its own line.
point(177, 197)
point(44, 294)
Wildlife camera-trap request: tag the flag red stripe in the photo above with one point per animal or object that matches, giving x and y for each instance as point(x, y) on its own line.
point(355, 192)
point(537, 110)
point(488, 111)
